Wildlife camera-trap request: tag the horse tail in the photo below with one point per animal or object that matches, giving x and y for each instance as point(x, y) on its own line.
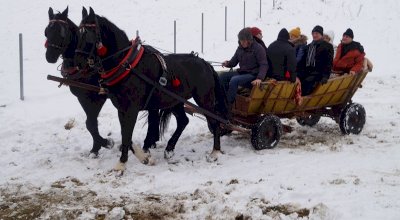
point(222, 105)
point(165, 116)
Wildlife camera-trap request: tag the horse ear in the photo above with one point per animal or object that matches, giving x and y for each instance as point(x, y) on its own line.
point(65, 13)
point(51, 13)
point(84, 13)
point(91, 12)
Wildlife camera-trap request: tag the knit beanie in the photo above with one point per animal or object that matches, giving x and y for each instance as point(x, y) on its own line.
point(295, 32)
point(318, 29)
point(349, 33)
point(255, 31)
point(245, 34)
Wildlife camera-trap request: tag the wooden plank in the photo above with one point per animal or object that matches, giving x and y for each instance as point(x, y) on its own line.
point(277, 95)
point(329, 88)
point(291, 96)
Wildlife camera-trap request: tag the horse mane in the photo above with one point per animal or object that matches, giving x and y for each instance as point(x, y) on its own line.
point(111, 33)
point(73, 26)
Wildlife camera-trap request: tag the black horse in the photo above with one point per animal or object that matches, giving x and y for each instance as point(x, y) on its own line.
point(123, 64)
point(61, 34)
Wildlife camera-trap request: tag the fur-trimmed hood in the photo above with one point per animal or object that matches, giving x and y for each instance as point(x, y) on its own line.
point(302, 40)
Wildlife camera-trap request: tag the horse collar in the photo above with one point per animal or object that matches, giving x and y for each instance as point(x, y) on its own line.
point(129, 62)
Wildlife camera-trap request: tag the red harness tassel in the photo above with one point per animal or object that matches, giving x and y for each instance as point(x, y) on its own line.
point(287, 75)
point(176, 82)
point(101, 50)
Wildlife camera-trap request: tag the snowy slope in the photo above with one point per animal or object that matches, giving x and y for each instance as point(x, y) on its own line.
point(46, 173)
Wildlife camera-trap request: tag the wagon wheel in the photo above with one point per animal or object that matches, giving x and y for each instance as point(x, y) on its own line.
point(266, 133)
point(352, 119)
point(309, 120)
point(223, 131)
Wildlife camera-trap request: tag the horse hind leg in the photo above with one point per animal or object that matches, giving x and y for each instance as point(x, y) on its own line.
point(182, 121)
point(216, 130)
point(206, 101)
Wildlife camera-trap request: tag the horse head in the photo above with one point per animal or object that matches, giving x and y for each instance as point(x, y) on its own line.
point(59, 36)
point(97, 39)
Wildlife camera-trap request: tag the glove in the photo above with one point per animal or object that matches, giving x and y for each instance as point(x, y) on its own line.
point(324, 80)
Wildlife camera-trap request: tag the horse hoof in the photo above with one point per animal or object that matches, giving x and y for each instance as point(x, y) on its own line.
point(93, 155)
point(110, 143)
point(120, 167)
point(151, 161)
point(143, 157)
point(119, 174)
point(213, 156)
point(168, 154)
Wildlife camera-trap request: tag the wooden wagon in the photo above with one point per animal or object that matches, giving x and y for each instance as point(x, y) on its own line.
point(261, 109)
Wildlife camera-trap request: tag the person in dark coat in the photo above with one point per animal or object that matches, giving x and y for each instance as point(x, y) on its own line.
point(317, 62)
point(282, 56)
point(253, 65)
point(350, 55)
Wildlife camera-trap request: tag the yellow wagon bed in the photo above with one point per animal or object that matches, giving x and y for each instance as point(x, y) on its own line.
point(278, 97)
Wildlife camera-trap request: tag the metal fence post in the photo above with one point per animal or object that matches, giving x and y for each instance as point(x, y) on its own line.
point(244, 13)
point(137, 33)
point(226, 22)
point(260, 8)
point(202, 32)
point(21, 69)
point(174, 36)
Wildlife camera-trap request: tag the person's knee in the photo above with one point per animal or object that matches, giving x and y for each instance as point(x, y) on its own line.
point(234, 82)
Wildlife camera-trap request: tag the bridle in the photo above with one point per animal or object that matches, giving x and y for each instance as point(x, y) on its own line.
point(94, 59)
point(65, 34)
point(97, 44)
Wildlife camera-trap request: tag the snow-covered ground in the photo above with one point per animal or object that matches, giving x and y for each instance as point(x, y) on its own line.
point(315, 173)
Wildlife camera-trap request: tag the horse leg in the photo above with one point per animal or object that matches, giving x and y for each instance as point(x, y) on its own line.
point(216, 128)
point(207, 102)
point(127, 120)
point(153, 130)
point(182, 120)
point(92, 107)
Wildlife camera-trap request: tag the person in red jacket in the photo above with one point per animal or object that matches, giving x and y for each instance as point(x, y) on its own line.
point(349, 56)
